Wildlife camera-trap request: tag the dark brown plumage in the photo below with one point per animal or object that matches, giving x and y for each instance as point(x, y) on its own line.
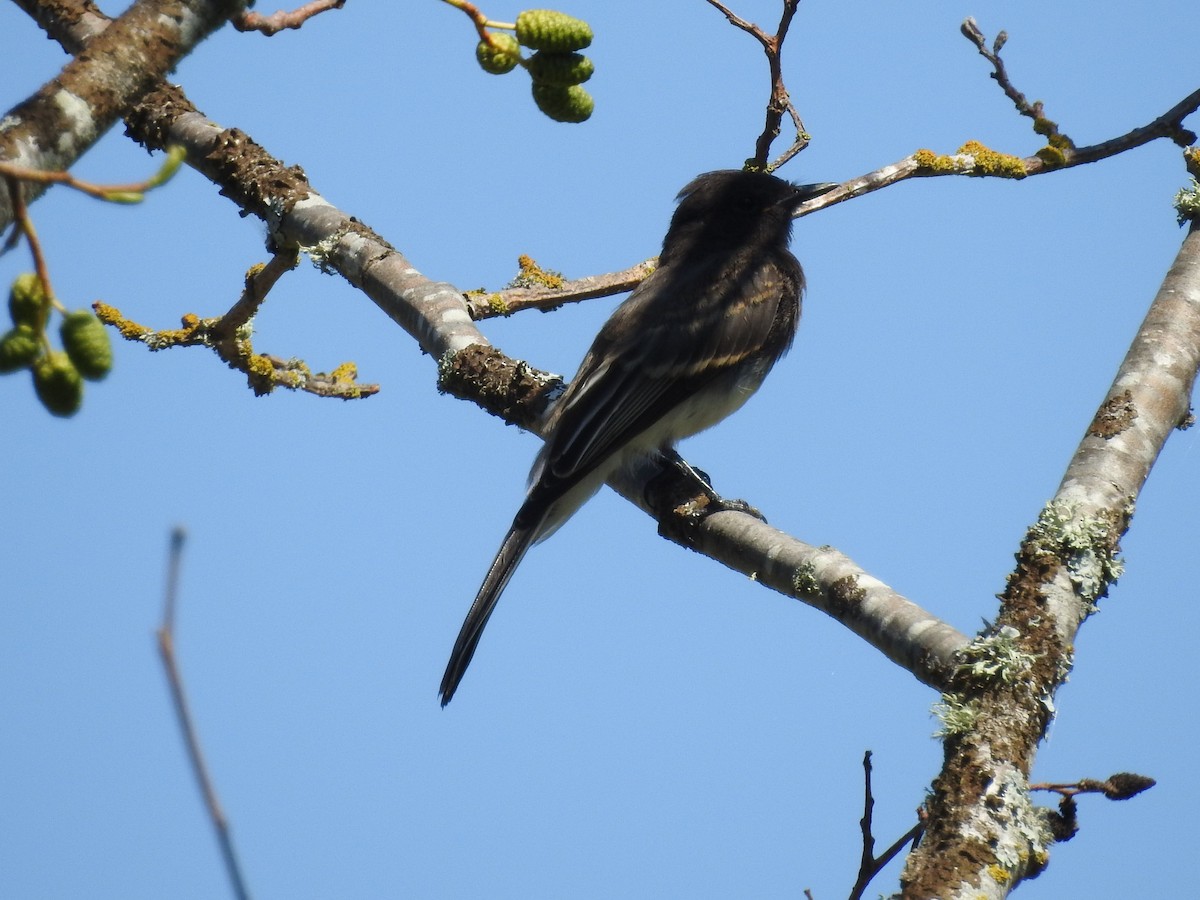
point(685, 349)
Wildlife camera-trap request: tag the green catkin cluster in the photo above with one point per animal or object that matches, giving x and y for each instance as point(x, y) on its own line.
point(58, 383)
point(556, 68)
point(86, 341)
point(18, 348)
point(548, 29)
point(57, 374)
point(564, 69)
point(27, 300)
point(563, 104)
point(501, 55)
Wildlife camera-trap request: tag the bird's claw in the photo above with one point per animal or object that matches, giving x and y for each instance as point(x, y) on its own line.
point(687, 499)
point(720, 504)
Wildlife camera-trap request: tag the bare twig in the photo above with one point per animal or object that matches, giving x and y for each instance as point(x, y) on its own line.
point(282, 19)
point(971, 32)
point(869, 864)
point(1121, 786)
point(483, 305)
point(780, 101)
point(259, 281)
point(1060, 150)
point(166, 649)
point(867, 859)
point(479, 19)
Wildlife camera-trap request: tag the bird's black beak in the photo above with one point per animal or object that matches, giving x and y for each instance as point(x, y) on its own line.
point(805, 192)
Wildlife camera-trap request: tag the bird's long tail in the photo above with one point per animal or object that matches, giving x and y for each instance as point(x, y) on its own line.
point(517, 542)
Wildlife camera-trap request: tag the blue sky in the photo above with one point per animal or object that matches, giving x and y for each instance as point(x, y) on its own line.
point(639, 721)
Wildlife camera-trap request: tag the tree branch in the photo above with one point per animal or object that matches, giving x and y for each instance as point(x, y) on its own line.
point(52, 128)
point(982, 822)
point(435, 314)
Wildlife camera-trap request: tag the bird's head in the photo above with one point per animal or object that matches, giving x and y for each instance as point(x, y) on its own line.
point(734, 208)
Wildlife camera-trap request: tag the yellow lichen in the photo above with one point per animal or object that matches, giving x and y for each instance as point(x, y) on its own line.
point(127, 328)
point(998, 874)
point(497, 305)
point(261, 366)
point(1051, 156)
point(934, 162)
point(1044, 126)
point(532, 274)
point(344, 374)
point(1191, 159)
point(992, 162)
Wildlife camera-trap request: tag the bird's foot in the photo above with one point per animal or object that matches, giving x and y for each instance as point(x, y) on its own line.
point(685, 497)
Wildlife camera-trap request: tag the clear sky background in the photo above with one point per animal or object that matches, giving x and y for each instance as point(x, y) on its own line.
point(639, 722)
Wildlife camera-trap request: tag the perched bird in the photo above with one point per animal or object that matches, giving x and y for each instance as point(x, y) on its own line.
point(685, 349)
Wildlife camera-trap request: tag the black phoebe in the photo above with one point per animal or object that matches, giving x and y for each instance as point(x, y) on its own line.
point(685, 349)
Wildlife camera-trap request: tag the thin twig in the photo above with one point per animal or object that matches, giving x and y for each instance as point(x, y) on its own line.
point(867, 858)
point(1121, 786)
point(259, 281)
point(971, 32)
point(124, 193)
point(480, 20)
point(780, 101)
point(282, 19)
point(484, 305)
point(166, 649)
point(869, 864)
point(23, 224)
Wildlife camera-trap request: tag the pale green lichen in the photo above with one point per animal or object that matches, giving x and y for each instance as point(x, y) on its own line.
point(1085, 545)
point(995, 657)
point(957, 714)
point(1187, 203)
point(804, 580)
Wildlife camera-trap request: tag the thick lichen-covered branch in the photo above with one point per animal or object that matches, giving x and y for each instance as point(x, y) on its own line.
point(984, 833)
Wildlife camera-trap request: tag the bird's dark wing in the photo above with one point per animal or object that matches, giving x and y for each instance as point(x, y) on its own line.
point(685, 326)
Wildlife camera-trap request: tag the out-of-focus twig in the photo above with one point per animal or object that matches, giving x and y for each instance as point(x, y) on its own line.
point(191, 740)
point(114, 193)
point(23, 225)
